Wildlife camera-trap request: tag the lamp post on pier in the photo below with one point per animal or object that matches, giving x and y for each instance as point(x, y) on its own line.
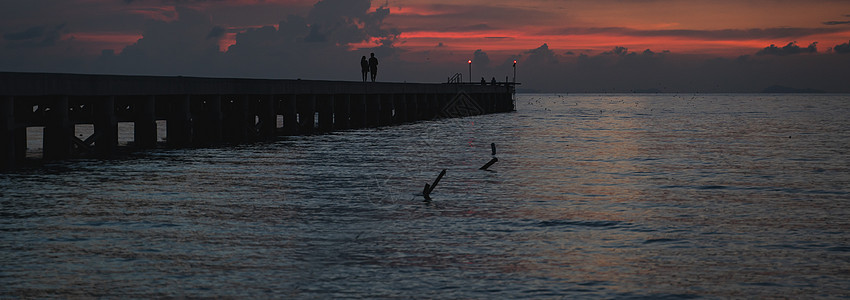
point(470, 70)
point(514, 70)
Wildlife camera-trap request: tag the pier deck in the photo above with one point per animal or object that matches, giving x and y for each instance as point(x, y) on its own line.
point(201, 112)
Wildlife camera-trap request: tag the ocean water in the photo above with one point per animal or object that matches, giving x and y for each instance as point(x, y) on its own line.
point(593, 196)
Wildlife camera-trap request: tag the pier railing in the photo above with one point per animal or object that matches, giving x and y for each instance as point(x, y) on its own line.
point(456, 78)
point(201, 112)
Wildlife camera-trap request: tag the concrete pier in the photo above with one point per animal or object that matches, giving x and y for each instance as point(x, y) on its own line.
point(179, 129)
point(144, 130)
point(200, 112)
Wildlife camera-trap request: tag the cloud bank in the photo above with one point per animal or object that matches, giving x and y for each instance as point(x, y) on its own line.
point(789, 49)
point(624, 71)
point(325, 39)
point(311, 46)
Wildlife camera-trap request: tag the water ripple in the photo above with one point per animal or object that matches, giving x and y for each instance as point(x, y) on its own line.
point(593, 196)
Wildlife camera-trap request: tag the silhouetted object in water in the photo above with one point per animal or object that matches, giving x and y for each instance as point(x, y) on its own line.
point(483, 82)
point(364, 67)
point(373, 66)
point(430, 187)
point(493, 152)
point(488, 164)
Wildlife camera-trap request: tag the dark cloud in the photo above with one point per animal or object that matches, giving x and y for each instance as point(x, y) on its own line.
point(623, 51)
point(724, 34)
point(36, 36)
point(790, 49)
point(316, 35)
point(216, 33)
point(621, 70)
point(541, 66)
point(836, 22)
point(313, 45)
point(541, 56)
point(336, 21)
point(649, 52)
point(187, 46)
point(480, 58)
point(618, 50)
point(842, 48)
point(30, 33)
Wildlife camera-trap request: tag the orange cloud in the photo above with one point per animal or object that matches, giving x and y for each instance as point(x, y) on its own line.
point(723, 27)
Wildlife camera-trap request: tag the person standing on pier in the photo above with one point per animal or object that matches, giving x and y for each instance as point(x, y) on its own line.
point(373, 66)
point(364, 67)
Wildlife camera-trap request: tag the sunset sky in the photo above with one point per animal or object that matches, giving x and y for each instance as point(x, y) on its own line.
point(560, 46)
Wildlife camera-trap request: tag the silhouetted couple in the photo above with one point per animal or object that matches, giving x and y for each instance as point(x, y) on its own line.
point(370, 66)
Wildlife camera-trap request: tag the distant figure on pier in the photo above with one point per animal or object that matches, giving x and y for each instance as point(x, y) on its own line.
point(373, 66)
point(483, 82)
point(493, 81)
point(364, 67)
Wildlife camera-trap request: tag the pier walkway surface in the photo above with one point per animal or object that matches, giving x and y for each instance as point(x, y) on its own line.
point(201, 112)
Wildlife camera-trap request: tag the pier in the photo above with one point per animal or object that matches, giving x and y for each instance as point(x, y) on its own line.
point(203, 112)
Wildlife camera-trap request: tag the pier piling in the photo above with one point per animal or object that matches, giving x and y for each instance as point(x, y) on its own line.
point(7, 133)
point(289, 111)
point(342, 111)
point(325, 108)
point(237, 120)
point(373, 110)
point(386, 107)
point(144, 127)
point(357, 111)
point(399, 109)
point(208, 128)
point(179, 126)
point(58, 129)
point(306, 113)
point(105, 127)
point(266, 117)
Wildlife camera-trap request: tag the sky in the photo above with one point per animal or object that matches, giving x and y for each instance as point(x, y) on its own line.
point(559, 45)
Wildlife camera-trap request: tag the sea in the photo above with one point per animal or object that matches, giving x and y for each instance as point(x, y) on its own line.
point(613, 196)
